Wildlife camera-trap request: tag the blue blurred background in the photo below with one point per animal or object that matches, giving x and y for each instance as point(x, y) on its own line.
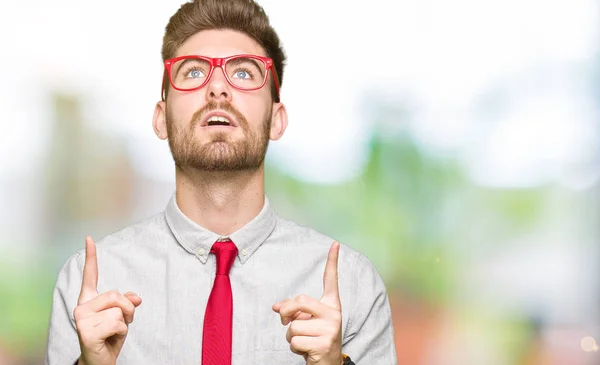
point(455, 143)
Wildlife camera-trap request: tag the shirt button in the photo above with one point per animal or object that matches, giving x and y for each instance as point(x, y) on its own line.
point(200, 251)
point(244, 252)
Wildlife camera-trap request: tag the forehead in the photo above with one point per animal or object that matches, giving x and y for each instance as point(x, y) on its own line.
point(220, 43)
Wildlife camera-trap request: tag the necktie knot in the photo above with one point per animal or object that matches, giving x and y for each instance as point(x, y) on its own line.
point(225, 252)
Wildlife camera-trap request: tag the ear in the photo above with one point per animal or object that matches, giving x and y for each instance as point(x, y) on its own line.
point(279, 121)
point(159, 121)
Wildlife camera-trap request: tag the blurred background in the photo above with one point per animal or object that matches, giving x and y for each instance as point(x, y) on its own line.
point(455, 143)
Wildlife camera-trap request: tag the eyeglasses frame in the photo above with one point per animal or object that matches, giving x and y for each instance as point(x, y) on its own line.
point(219, 62)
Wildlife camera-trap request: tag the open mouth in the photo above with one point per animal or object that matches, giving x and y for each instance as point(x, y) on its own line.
point(218, 120)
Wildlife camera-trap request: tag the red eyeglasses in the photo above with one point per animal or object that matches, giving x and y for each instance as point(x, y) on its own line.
point(243, 72)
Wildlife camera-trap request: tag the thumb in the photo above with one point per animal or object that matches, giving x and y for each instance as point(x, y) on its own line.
point(134, 298)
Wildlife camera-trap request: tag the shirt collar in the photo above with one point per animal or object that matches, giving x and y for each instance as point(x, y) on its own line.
point(198, 240)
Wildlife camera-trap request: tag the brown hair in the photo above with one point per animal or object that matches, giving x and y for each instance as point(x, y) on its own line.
point(245, 16)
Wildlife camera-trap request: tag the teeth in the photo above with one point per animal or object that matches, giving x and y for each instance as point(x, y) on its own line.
point(218, 118)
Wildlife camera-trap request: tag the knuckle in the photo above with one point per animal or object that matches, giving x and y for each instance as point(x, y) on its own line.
point(117, 326)
point(77, 315)
point(113, 295)
point(294, 343)
point(302, 298)
point(85, 338)
point(80, 326)
point(284, 310)
point(115, 313)
point(337, 317)
point(130, 307)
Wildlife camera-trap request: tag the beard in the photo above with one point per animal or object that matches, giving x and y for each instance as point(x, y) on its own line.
point(220, 153)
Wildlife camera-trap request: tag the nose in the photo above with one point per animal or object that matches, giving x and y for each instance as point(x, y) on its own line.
point(218, 89)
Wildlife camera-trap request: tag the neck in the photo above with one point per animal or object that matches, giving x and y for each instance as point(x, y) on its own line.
point(221, 202)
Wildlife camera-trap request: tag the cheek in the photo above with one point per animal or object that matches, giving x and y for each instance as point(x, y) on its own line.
point(255, 109)
point(183, 107)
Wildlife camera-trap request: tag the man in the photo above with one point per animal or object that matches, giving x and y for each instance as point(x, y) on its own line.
point(224, 280)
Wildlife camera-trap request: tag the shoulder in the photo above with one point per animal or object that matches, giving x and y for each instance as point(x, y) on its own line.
point(286, 226)
point(143, 232)
point(293, 233)
point(138, 232)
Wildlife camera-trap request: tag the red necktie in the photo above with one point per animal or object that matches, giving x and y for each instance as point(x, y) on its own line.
point(216, 337)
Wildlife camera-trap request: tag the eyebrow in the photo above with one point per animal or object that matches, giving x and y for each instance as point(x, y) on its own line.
point(191, 59)
point(242, 59)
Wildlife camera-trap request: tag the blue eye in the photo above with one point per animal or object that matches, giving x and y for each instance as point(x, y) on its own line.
point(195, 74)
point(241, 75)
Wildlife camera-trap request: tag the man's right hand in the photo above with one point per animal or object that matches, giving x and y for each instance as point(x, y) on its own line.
point(102, 320)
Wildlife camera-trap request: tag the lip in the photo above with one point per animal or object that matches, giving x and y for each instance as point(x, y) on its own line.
point(204, 121)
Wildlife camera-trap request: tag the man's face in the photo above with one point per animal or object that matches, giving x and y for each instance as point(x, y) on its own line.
point(196, 144)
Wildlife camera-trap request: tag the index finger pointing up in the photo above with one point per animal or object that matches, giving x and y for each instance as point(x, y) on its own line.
point(331, 295)
point(89, 283)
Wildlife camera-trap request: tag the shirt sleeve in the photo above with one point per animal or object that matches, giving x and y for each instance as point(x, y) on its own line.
point(63, 342)
point(369, 337)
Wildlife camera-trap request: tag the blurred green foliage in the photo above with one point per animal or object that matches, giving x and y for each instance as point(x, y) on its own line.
point(25, 301)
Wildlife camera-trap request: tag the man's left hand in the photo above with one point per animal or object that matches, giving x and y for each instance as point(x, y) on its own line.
point(315, 330)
